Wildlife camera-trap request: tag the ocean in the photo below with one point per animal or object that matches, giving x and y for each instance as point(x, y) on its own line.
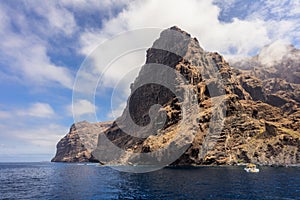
point(74, 181)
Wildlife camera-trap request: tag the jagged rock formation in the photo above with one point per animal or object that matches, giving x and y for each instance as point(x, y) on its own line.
point(271, 77)
point(256, 115)
point(78, 144)
point(280, 62)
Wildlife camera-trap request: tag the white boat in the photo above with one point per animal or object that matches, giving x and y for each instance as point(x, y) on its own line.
point(251, 168)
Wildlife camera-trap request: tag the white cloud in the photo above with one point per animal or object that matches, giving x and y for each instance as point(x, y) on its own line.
point(89, 41)
point(200, 18)
point(45, 136)
point(42, 110)
point(283, 8)
point(82, 107)
point(29, 139)
point(83, 110)
point(58, 18)
point(32, 130)
point(273, 53)
point(5, 114)
point(36, 110)
point(123, 69)
point(295, 8)
point(276, 52)
point(280, 17)
point(31, 62)
point(24, 52)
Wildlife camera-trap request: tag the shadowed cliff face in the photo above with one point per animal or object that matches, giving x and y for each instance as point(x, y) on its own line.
point(189, 107)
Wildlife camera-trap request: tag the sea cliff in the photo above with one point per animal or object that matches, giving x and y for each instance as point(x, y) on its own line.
point(258, 108)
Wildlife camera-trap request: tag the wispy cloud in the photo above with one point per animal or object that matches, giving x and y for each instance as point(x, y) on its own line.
point(24, 49)
point(44, 136)
point(34, 129)
point(94, 5)
point(4, 115)
point(25, 138)
point(34, 39)
point(42, 110)
point(57, 17)
point(281, 18)
point(201, 20)
point(35, 110)
point(83, 109)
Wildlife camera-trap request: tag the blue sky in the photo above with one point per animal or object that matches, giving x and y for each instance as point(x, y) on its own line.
point(43, 44)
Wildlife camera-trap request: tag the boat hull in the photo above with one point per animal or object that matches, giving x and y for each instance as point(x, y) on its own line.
point(251, 170)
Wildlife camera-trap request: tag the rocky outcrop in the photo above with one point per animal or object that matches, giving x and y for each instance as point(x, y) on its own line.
point(273, 85)
point(268, 64)
point(219, 115)
point(272, 78)
point(78, 144)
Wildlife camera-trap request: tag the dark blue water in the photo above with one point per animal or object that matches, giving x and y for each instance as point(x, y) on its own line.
point(71, 181)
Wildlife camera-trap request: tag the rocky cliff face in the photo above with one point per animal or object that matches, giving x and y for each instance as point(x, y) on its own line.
point(217, 114)
point(274, 61)
point(272, 77)
point(81, 140)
